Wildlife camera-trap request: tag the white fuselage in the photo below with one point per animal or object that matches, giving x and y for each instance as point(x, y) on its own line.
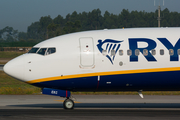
point(102, 53)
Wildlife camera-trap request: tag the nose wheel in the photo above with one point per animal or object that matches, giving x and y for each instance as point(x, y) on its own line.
point(68, 104)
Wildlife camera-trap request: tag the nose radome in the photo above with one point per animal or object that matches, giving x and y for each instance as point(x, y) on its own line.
point(15, 68)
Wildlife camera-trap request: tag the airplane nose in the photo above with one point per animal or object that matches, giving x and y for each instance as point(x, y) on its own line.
point(15, 68)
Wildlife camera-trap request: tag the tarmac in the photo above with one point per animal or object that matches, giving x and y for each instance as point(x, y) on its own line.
point(38, 107)
point(87, 107)
point(1, 67)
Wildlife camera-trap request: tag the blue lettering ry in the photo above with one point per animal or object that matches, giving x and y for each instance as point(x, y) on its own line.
point(168, 45)
point(133, 45)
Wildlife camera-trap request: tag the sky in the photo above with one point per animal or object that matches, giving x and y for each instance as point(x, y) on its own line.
point(19, 14)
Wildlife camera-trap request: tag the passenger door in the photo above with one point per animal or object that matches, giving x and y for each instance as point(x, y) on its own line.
point(86, 52)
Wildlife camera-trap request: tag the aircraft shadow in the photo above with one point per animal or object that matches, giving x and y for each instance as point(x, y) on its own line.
point(104, 105)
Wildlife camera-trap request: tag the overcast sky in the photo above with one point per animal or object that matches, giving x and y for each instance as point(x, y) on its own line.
point(19, 14)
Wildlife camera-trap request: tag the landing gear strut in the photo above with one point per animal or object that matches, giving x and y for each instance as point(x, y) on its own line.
point(68, 104)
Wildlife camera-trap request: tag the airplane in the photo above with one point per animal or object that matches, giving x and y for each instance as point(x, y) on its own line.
point(130, 59)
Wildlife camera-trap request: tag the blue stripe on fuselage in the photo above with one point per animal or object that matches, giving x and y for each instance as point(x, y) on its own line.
point(155, 81)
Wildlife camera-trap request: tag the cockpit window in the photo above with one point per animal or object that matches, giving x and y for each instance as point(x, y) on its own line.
point(50, 51)
point(33, 50)
point(42, 51)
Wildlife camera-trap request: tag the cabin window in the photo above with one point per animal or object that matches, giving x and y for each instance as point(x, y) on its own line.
point(153, 52)
point(178, 51)
point(171, 52)
point(161, 52)
point(51, 51)
point(129, 52)
point(137, 52)
point(33, 50)
point(112, 52)
point(42, 51)
point(120, 52)
point(145, 52)
point(104, 52)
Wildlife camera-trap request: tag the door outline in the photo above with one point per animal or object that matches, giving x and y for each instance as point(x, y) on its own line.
point(84, 49)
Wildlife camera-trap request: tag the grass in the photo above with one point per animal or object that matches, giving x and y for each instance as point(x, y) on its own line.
point(5, 56)
point(8, 54)
point(11, 86)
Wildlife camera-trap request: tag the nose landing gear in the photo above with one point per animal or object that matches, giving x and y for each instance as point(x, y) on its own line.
point(68, 104)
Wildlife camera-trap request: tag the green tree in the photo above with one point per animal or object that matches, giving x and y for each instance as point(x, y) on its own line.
point(9, 34)
point(94, 20)
point(59, 20)
point(52, 30)
point(33, 31)
point(72, 27)
point(43, 24)
point(47, 27)
point(83, 18)
point(22, 36)
point(124, 18)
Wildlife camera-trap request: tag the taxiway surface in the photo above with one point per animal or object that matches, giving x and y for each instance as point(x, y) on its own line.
point(1, 67)
point(42, 107)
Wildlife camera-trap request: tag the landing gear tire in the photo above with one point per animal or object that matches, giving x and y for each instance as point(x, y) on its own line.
point(68, 104)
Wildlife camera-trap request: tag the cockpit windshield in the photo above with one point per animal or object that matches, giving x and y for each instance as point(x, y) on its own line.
point(43, 51)
point(33, 50)
point(50, 51)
